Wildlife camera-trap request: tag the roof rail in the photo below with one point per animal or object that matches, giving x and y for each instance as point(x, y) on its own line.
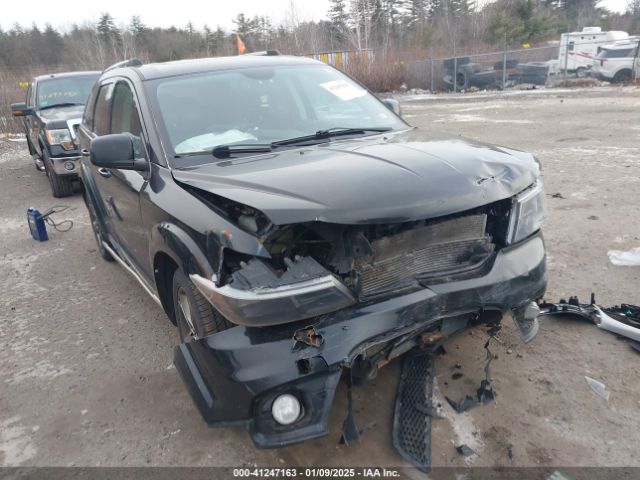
point(266, 53)
point(132, 62)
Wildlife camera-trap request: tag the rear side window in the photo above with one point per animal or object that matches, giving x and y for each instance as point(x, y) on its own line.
point(617, 53)
point(101, 117)
point(124, 114)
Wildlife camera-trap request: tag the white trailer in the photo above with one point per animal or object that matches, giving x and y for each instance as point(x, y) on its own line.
point(578, 49)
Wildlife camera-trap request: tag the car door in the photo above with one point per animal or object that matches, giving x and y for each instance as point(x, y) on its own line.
point(29, 122)
point(116, 112)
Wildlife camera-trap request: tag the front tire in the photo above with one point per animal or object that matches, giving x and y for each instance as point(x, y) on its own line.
point(623, 76)
point(61, 186)
point(195, 317)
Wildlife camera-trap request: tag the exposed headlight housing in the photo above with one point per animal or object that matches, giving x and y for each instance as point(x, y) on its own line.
point(61, 136)
point(527, 213)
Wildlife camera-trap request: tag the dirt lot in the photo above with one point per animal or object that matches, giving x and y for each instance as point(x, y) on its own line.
point(86, 375)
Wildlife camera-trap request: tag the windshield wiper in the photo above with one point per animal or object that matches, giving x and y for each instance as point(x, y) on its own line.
point(225, 151)
point(66, 104)
point(330, 132)
point(228, 149)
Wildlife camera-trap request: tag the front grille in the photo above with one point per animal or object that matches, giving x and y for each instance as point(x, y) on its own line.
point(436, 250)
point(412, 418)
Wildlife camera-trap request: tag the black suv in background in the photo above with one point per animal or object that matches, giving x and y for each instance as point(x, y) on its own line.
point(294, 226)
point(52, 111)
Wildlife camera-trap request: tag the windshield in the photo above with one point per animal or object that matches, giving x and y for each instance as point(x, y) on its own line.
point(264, 105)
point(56, 91)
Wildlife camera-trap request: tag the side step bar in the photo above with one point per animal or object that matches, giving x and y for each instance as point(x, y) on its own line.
point(132, 272)
point(412, 416)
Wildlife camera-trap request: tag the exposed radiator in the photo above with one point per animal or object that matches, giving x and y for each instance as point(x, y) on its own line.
point(436, 250)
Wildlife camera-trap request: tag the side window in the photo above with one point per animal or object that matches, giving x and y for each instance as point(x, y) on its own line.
point(101, 116)
point(28, 101)
point(89, 109)
point(124, 115)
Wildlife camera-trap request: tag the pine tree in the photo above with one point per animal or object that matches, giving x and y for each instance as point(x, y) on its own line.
point(338, 18)
point(138, 30)
point(106, 26)
point(109, 35)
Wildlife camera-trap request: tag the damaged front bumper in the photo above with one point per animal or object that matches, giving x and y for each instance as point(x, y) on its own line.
point(235, 375)
point(308, 290)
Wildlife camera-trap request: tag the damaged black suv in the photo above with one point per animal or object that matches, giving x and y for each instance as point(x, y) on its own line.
point(293, 226)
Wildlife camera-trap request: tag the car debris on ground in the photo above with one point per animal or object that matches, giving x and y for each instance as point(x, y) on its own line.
point(465, 450)
point(622, 320)
point(628, 258)
point(598, 387)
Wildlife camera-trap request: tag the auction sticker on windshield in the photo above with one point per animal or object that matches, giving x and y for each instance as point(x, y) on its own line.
point(344, 90)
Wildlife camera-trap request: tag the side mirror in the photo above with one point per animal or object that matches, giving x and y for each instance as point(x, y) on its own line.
point(21, 110)
point(393, 105)
point(118, 150)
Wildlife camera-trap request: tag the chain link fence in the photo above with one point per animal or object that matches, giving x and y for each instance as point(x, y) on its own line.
point(492, 70)
point(539, 66)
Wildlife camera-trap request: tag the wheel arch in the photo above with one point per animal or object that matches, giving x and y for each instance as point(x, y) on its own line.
point(623, 71)
point(171, 248)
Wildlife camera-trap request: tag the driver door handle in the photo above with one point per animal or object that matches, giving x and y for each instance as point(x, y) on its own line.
point(104, 172)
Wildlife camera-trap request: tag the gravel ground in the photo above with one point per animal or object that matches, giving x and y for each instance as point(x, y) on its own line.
point(86, 374)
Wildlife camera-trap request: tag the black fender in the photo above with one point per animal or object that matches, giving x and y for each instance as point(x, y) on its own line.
point(170, 239)
point(174, 241)
point(44, 146)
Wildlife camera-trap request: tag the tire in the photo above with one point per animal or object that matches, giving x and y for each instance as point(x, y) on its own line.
point(462, 80)
point(98, 235)
point(61, 186)
point(623, 76)
point(581, 72)
point(195, 317)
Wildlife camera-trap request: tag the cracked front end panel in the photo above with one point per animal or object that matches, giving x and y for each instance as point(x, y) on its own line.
point(234, 376)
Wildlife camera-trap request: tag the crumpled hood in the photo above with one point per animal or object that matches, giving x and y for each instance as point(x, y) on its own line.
point(387, 178)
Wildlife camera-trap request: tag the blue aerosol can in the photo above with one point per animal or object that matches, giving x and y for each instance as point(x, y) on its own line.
point(36, 224)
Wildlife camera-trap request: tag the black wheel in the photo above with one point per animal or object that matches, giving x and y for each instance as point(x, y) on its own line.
point(61, 186)
point(195, 316)
point(581, 72)
point(98, 234)
point(623, 76)
point(462, 81)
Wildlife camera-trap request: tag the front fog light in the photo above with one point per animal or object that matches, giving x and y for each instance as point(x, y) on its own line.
point(285, 409)
point(69, 166)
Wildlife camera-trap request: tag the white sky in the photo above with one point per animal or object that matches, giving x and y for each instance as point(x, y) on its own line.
point(158, 13)
point(164, 13)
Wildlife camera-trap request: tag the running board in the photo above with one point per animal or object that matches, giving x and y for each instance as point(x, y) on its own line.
point(132, 272)
point(413, 410)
